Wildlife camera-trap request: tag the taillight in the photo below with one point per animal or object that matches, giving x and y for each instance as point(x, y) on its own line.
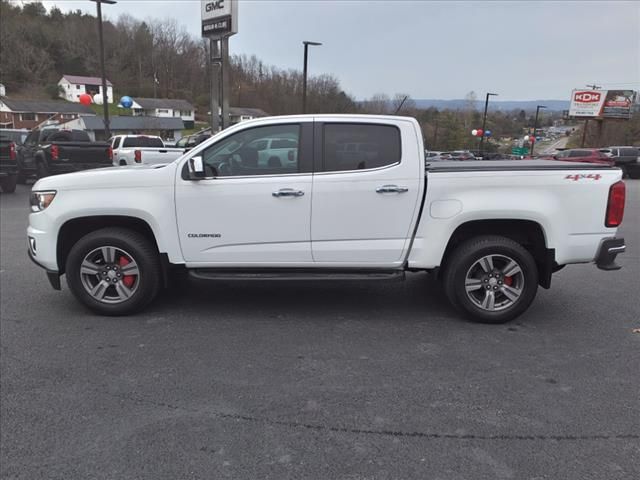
point(110, 153)
point(137, 156)
point(12, 151)
point(55, 152)
point(615, 205)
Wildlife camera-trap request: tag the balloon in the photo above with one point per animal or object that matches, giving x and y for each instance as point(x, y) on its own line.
point(85, 99)
point(480, 132)
point(126, 101)
point(97, 99)
point(532, 139)
point(474, 132)
point(526, 138)
point(487, 133)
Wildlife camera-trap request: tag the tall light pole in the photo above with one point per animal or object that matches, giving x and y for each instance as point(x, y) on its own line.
point(484, 118)
point(304, 73)
point(105, 96)
point(535, 127)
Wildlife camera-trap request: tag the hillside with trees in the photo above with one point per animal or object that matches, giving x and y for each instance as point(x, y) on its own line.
point(37, 47)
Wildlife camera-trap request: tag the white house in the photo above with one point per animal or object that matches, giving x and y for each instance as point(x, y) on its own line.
point(72, 86)
point(165, 107)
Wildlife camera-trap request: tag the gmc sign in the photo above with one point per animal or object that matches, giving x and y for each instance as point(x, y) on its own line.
point(586, 97)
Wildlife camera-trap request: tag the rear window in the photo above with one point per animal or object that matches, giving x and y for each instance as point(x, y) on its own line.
point(353, 146)
point(580, 153)
point(629, 152)
point(283, 143)
point(142, 142)
point(17, 137)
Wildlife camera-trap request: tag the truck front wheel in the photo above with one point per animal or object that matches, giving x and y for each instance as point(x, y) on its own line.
point(491, 278)
point(114, 271)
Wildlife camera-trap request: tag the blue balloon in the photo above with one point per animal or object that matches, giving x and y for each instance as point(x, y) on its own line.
point(126, 101)
point(487, 133)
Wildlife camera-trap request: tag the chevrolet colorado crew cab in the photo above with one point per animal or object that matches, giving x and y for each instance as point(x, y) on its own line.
point(493, 231)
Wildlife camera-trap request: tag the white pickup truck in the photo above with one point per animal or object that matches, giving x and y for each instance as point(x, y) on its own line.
point(491, 230)
point(141, 149)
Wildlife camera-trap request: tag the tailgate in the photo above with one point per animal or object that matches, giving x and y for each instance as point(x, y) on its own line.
point(83, 153)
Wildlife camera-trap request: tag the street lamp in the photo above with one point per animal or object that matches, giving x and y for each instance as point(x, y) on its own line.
point(484, 118)
point(304, 73)
point(535, 127)
point(105, 97)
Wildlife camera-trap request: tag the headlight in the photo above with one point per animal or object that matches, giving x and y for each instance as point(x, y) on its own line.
point(41, 200)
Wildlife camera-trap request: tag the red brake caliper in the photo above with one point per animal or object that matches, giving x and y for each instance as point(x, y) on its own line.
point(127, 279)
point(508, 281)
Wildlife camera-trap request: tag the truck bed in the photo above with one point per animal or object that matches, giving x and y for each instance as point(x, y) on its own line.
point(510, 165)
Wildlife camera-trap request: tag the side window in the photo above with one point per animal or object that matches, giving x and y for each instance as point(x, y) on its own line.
point(579, 153)
point(353, 146)
point(239, 155)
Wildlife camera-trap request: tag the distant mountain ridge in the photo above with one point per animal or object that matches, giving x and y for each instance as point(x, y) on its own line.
point(504, 105)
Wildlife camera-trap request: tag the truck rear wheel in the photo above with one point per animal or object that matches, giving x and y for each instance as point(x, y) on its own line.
point(491, 278)
point(8, 183)
point(114, 271)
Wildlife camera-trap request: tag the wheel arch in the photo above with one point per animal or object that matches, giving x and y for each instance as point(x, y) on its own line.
point(528, 233)
point(74, 229)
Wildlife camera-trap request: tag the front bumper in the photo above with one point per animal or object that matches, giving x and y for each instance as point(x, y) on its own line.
point(607, 253)
point(52, 276)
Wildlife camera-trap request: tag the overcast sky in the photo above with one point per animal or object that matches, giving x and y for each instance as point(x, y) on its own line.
point(521, 50)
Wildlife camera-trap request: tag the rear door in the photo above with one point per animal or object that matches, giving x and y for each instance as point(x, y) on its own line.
point(366, 189)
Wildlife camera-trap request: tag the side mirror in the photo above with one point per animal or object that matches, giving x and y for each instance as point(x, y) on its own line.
point(196, 168)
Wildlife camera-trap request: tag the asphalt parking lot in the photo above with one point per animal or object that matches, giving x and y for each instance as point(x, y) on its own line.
point(319, 380)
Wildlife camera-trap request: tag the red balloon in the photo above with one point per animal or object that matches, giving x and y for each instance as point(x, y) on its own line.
point(532, 139)
point(480, 132)
point(85, 99)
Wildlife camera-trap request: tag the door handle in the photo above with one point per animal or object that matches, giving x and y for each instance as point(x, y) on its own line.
point(288, 192)
point(391, 189)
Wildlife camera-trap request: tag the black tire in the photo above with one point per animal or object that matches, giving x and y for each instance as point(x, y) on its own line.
point(634, 174)
point(41, 170)
point(22, 179)
point(142, 251)
point(8, 184)
point(460, 262)
point(123, 163)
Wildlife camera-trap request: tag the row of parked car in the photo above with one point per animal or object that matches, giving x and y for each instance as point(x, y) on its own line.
point(625, 157)
point(49, 151)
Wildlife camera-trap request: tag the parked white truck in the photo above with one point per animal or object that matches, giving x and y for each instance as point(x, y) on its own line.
point(141, 149)
point(491, 230)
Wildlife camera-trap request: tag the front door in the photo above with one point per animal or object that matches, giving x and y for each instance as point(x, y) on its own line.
point(366, 193)
point(252, 210)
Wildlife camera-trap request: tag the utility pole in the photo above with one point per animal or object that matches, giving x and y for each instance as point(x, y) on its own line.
point(304, 73)
point(214, 71)
point(105, 92)
point(535, 127)
point(225, 90)
point(594, 87)
point(484, 118)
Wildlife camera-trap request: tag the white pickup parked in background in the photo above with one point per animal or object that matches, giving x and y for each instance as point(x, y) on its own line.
point(141, 149)
point(354, 201)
